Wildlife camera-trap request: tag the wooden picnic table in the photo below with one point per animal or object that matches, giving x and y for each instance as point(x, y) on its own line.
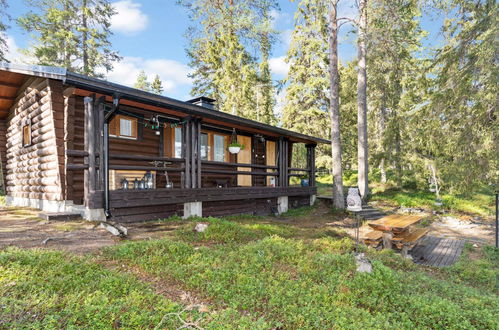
point(395, 223)
point(395, 229)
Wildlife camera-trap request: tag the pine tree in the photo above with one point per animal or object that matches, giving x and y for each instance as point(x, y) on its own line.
point(157, 85)
point(393, 67)
point(142, 83)
point(220, 44)
point(3, 27)
point(71, 34)
point(265, 88)
point(457, 127)
point(307, 84)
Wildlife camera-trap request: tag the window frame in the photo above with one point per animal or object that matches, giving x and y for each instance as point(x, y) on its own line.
point(115, 127)
point(211, 146)
point(26, 125)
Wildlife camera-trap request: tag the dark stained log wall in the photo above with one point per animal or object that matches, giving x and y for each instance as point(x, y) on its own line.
point(33, 171)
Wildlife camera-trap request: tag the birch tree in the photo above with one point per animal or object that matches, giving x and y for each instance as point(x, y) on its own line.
point(362, 151)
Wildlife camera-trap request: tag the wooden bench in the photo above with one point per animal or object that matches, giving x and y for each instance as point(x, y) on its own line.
point(407, 239)
point(373, 238)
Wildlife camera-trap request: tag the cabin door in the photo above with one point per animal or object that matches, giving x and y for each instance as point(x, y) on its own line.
point(258, 158)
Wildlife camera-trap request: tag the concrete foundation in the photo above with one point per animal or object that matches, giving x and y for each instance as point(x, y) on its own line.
point(282, 204)
point(313, 198)
point(193, 209)
point(57, 206)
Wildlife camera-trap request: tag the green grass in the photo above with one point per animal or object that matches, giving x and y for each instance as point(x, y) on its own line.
point(480, 203)
point(303, 284)
point(40, 289)
point(255, 273)
point(50, 290)
point(227, 231)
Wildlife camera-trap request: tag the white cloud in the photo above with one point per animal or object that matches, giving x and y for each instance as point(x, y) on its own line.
point(13, 54)
point(286, 36)
point(172, 73)
point(279, 66)
point(129, 19)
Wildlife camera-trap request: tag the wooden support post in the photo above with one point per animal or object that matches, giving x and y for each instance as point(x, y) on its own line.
point(193, 141)
point(405, 251)
point(311, 164)
point(100, 107)
point(387, 240)
point(280, 161)
point(186, 132)
point(286, 161)
point(69, 109)
point(89, 138)
point(198, 154)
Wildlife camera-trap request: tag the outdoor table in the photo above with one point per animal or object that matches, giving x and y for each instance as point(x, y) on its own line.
point(395, 228)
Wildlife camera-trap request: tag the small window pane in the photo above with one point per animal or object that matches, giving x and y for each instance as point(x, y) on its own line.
point(204, 146)
point(178, 142)
point(26, 135)
point(219, 147)
point(125, 127)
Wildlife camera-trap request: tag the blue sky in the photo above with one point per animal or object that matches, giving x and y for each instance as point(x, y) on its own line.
point(150, 36)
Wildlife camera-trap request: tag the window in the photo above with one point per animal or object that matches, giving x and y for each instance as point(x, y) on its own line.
point(26, 129)
point(214, 146)
point(204, 146)
point(218, 148)
point(123, 127)
point(178, 142)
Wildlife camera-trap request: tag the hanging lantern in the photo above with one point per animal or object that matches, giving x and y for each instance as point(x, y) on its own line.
point(154, 121)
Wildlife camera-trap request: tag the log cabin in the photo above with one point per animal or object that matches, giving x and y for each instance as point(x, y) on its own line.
point(73, 143)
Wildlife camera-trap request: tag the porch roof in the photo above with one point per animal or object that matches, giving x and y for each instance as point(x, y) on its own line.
point(13, 76)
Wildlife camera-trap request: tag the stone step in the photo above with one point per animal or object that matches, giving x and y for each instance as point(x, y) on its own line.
point(59, 216)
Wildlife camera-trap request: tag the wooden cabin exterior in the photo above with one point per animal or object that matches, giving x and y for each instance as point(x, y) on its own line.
point(71, 143)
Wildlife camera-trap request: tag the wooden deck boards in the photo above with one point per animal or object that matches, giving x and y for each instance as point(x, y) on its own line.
point(437, 252)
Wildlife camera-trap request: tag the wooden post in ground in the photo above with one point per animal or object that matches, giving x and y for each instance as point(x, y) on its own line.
point(387, 240)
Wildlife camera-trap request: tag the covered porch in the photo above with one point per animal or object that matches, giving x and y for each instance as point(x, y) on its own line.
point(177, 163)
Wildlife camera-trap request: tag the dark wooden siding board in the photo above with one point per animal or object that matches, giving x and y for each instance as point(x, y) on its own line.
point(298, 201)
point(142, 205)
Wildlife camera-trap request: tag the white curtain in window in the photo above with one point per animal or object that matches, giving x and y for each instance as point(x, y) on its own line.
point(219, 147)
point(204, 146)
point(125, 127)
point(178, 142)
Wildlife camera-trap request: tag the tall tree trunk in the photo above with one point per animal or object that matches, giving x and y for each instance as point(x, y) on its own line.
point(338, 198)
point(362, 146)
point(398, 155)
point(382, 128)
point(84, 37)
